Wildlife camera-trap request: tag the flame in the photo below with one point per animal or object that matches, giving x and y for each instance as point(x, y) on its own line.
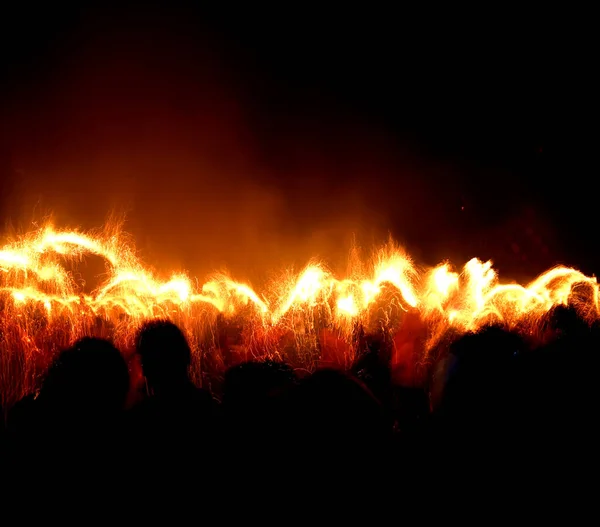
point(42, 302)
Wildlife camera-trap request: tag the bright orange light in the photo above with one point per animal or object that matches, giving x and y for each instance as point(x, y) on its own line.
point(42, 303)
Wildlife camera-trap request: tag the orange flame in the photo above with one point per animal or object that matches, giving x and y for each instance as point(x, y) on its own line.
point(40, 298)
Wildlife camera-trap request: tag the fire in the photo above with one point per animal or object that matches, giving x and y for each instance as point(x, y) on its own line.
point(45, 308)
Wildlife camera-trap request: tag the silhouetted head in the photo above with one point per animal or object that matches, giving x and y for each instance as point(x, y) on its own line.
point(164, 352)
point(373, 368)
point(480, 378)
point(335, 412)
point(562, 376)
point(487, 345)
point(252, 383)
point(565, 321)
point(90, 378)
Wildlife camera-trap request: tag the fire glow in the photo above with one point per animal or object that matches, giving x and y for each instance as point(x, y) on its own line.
point(44, 308)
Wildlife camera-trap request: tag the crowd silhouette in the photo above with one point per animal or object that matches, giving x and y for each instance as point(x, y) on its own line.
point(495, 410)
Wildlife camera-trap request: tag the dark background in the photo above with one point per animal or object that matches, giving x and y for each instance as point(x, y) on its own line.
point(262, 137)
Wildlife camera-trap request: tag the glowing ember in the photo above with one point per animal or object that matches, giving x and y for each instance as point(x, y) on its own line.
point(44, 308)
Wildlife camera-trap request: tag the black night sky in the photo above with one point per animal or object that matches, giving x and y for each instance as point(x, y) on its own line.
point(263, 137)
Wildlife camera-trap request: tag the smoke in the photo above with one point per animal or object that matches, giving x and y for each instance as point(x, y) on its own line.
point(211, 166)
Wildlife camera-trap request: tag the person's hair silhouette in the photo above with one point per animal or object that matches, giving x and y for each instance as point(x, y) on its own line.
point(165, 355)
point(176, 412)
point(78, 412)
point(92, 376)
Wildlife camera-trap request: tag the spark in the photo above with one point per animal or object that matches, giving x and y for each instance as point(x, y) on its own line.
point(43, 307)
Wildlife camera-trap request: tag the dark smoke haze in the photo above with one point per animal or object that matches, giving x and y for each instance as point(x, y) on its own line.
point(215, 163)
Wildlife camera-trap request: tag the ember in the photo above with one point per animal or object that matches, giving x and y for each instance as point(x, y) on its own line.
point(294, 317)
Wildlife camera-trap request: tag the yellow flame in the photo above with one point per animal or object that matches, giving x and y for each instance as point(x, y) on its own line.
point(36, 285)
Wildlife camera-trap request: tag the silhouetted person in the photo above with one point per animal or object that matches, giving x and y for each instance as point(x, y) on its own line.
point(559, 384)
point(89, 381)
point(338, 431)
point(478, 396)
point(20, 418)
point(478, 424)
point(374, 369)
point(176, 425)
point(255, 396)
point(253, 384)
point(73, 428)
